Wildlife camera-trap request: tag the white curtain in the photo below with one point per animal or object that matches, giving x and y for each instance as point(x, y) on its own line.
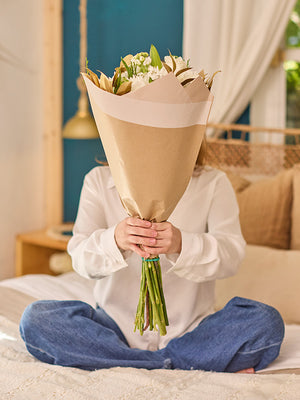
point(268, 105)
point(22, 204)
point(239, 37)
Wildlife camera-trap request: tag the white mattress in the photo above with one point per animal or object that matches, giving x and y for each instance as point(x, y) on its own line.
point(68, 286)
point(71, 286)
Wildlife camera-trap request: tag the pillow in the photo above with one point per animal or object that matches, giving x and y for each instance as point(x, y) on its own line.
point(238, 182)
point(268, 275)
point(265, 210)
point(295, 230)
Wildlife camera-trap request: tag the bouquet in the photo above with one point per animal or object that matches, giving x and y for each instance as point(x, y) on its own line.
point(151, 117)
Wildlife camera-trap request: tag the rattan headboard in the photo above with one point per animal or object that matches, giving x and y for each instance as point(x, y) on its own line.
point(246, 155)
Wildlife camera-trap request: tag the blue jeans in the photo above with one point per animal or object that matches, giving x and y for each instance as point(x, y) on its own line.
point(244, 334)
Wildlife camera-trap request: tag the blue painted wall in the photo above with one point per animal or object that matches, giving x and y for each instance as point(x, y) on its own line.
point(115, 28)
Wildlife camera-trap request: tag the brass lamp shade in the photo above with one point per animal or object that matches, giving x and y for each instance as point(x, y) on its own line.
point(82, 125)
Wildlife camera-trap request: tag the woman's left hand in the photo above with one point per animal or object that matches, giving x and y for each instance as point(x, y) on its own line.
point(168, 239)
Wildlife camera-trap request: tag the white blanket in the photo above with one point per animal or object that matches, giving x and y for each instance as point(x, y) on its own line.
point(22, 377)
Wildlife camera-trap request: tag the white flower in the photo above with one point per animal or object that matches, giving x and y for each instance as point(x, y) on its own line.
point(181, 64)
point(138, 81)
point(155, 72)
point(143, 79)
point(147, 61)
point(135, 61)
point(140, 72)
point(187, 75)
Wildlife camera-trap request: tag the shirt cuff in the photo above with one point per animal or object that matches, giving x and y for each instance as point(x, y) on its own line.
point(111, 248)
point(191, 247)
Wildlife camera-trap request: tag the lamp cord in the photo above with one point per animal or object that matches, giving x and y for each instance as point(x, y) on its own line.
point(83, 34)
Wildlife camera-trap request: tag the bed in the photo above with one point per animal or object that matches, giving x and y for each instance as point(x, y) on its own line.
point(270, 272)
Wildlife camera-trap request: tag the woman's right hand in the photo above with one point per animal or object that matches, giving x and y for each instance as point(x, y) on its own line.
point(133, 233)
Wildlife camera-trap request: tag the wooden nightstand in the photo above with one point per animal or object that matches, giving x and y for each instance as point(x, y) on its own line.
point(33, 250)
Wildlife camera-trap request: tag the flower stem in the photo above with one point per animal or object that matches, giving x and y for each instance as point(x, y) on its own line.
point(151, 299)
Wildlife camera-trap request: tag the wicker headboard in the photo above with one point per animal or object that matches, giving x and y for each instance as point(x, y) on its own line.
point(269, 214)
point(246, 155)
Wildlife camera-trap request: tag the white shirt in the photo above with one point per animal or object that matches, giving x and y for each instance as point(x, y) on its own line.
point(212, 247)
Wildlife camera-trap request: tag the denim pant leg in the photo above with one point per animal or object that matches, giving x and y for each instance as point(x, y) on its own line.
point(244, 334)
point(72, 333)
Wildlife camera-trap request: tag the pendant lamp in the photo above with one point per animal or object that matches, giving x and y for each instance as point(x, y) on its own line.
point(82, 125)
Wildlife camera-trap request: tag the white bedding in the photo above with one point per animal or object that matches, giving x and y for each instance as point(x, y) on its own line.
point(289, 356)
point(24, 378)
point(68, 286)
point(71, 286)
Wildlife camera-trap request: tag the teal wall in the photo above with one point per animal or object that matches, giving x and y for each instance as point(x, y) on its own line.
point(115, 28)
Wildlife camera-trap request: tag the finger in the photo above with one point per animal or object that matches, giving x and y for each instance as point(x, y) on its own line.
point(159, 245)
point(135, 221)
point(142, 241)
point(154, 251)
point(145, 232)
point(140, 251)
point(159, 226)
point(163, 235)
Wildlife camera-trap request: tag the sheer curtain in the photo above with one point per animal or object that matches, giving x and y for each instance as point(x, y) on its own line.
point(268, 105)
point(237, 37)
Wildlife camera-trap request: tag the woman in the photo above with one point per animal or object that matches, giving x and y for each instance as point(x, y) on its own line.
point(200, 243)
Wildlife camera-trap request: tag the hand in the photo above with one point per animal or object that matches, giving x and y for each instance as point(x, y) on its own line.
point(168, 239)
point(133, 234)
point(146, 238)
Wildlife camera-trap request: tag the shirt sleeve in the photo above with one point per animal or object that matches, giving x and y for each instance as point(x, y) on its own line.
point(93, 248)
point(218, 252)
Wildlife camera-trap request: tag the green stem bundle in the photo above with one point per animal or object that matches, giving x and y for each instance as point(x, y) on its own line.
point(151, 300)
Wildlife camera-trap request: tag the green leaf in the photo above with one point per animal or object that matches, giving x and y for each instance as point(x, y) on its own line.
point(117, 82)
point(155, 58)
point(129, 71)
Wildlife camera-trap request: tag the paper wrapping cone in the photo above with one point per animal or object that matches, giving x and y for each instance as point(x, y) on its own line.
point(151, 138)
